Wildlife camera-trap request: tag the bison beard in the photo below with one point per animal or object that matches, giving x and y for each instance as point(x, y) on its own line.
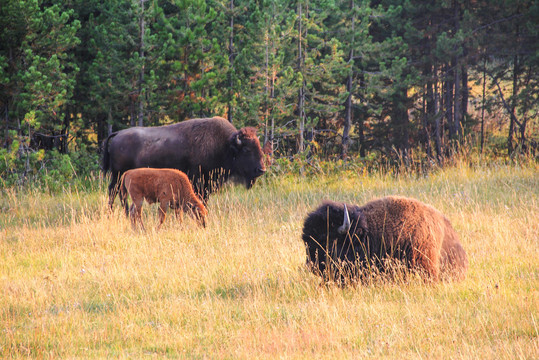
point(209, 151)
point(345, 242)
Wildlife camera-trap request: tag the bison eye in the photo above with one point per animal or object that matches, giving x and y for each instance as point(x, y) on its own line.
point(246, 149)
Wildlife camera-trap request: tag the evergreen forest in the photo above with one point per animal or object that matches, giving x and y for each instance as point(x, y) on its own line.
point(335, 79)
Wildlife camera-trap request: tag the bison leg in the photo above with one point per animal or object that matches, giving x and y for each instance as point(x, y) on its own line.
point(163, 207)
point(123, 198)
point(123, 201)
point(136, 213)
point(179, 213)
point(114, 188)
point(132, 216)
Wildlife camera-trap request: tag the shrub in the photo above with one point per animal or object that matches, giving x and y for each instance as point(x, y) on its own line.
point(23, 166)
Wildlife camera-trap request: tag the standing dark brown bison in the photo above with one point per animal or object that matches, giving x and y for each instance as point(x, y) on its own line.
point(209, 151)
point(169, 187)
point(352, 239)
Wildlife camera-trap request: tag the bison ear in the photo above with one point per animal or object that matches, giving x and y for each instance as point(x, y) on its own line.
point(236, 142)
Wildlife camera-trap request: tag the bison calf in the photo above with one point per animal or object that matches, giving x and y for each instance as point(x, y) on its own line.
point(344, 241)
point(170, 187)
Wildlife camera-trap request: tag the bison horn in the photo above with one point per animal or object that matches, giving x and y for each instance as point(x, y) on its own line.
point(238, 141)
point(343, 229)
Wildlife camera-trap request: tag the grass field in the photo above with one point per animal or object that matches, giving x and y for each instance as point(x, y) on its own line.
point(78, 282)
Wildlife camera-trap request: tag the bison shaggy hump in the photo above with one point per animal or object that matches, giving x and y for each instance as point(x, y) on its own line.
point(353, 239)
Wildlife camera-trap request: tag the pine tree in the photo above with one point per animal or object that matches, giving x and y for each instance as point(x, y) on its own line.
point(194, 64)
point(394, 77)
point(350, 22)
point(38, 68)
point(320, 68)
point(106, 92)
point(263, 68)
point(512, 28)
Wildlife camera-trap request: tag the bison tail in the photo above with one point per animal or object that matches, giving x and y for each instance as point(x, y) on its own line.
point(105, 160)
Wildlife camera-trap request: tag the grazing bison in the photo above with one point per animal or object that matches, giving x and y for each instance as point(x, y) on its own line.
point(169, 187)
point(352, 239)
point(209, 151)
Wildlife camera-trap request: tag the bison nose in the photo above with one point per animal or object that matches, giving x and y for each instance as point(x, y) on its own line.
point(260, 171)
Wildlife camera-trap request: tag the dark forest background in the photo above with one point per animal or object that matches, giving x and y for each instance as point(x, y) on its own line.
point(335, 79)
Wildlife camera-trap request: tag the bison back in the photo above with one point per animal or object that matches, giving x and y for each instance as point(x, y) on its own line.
point(185, 146)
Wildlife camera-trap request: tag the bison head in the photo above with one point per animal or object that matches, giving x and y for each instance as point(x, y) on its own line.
point(334, 234)
point(247, 156)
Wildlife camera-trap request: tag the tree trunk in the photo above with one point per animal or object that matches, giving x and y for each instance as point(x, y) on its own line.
point(448, 100)
point(457, 102)
point(513, 117)
point(438, 126)
point(141, 76)
point(101, 130)
point(426, 133)
point(428, 108)
point(64, 133)
point(132, 117)
point(231, 60)
point(361, 133)
point(272, 96)
point(349, 88)
point(465, 92)
point(360, 125)
point(512, 124)
point(483, 104)
point(266, 87)
point(301, 94)
point(516, 73)
point(347, 117)
point(6, 124)
point(301, 105)
point(400, 124)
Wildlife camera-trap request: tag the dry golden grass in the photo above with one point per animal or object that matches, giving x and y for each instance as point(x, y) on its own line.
point(78, 282)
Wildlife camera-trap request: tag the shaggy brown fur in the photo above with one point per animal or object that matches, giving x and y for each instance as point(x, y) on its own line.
point(210, 151)
point(170, 187)
point(392, 227)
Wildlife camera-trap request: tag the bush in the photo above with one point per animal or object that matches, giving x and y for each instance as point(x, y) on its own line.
point(23, 166)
